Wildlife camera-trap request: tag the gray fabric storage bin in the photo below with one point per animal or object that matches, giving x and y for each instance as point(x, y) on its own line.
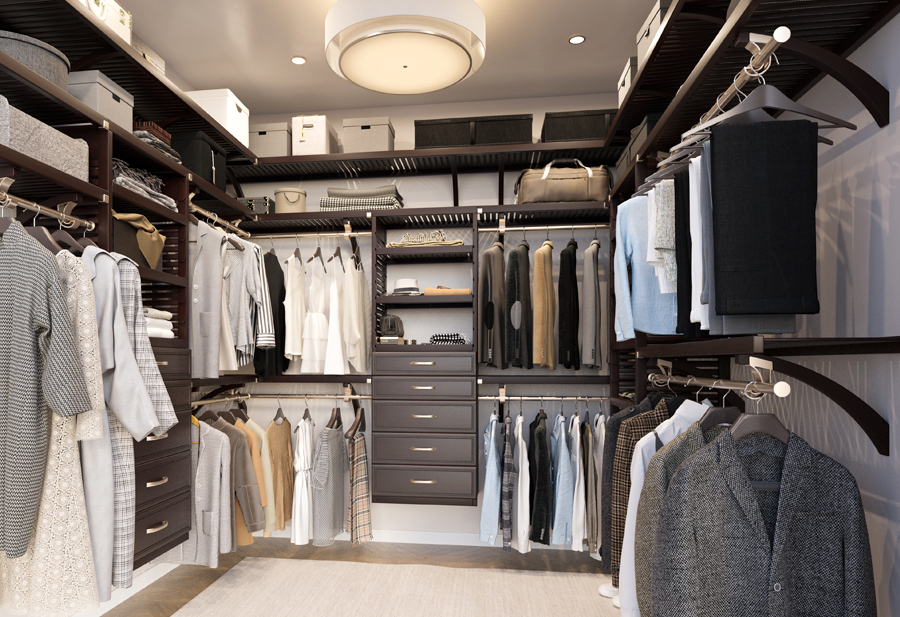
point(368, 134)
point(43, 143)
point(576, 125)
point(480, 131)
point(99, 92)
point(43, 59)
point(271, 139)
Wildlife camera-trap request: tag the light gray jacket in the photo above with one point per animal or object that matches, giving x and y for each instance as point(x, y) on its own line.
point(207, 269)
point(725, 548)
point(591, 301)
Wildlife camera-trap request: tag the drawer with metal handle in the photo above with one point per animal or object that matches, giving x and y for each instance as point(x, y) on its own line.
point(424, 417)
point(157, 479)
point(155, 526)
point(173, 364)
point(176, 438)
point(399, 449)
point(180, 394)
point(446, 363)
point(423, 484)
point(426, 387)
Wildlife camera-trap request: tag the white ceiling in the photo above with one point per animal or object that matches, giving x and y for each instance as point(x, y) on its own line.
point(246, 45)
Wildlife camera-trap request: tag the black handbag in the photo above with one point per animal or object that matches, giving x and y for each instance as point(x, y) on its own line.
point(391, 325)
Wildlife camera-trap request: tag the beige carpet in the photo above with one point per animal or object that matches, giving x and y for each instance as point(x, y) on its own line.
point(291, 588)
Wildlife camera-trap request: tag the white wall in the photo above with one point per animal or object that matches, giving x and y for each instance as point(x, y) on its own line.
point(859, 293)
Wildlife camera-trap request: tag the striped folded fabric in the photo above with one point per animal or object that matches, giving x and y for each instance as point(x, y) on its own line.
point(359, 203)
point(455, 338)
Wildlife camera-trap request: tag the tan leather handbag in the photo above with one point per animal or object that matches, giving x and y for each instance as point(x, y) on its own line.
point(563, 184)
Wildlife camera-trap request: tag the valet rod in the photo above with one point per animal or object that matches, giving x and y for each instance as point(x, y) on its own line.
point(62, 215)
point(780, 389)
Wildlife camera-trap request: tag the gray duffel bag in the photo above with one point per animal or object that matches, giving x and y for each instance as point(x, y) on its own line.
point(577, 183)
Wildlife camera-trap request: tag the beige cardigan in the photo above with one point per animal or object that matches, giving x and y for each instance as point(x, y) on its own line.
point(544, 308)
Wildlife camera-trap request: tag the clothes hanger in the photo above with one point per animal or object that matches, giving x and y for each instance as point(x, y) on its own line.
point(208, 415)
point(297, 250)
point(5, 221)
point(767, 423)
point(228, 417)
point(279, 415)
point(43, 236)
point(358, 257)
point(228, 237)
point(68, 242)
point(358, 425)
point(241, 411)
point(335, 420)
point(337, 253)
point(318, 254)
point(272, 243)
point(306, 415)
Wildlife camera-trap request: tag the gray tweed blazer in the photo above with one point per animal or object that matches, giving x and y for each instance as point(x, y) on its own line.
point(724, 548)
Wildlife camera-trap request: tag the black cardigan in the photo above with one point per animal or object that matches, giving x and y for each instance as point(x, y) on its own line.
point(569, 356)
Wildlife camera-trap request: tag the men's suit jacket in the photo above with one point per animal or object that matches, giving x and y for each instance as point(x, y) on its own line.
point(246, 487)
point(207, 271)
point(725, 548)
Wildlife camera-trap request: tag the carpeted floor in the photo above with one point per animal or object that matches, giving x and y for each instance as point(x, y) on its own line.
point(289, 588)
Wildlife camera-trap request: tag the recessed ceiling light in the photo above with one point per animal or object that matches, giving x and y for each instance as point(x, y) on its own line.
point(298, 60)
point(576, 40)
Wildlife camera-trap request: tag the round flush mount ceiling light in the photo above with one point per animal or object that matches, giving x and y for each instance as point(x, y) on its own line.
point(298, 60)
point(405, 46)
point(576, 40)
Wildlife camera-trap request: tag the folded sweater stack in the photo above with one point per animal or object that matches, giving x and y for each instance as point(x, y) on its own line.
point(159, 323)
point(141, 182)
point(379, 198)
point(155, 142)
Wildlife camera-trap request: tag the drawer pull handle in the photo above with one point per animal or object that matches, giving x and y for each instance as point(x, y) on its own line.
point(421, 387)
point(157, 437)
point(158, 528)
point(423, 449)
point(162, 363)
point(423, 481)
point(420, 416)
point(159, 482)
point(422, 363)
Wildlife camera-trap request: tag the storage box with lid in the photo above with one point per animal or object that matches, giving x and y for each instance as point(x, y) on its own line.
point(99, 92)
point(479, 131)
point(576, 125)
point(201, 155)
point(45, 60)
point(290, 201)
point(227, 110)
point(270, 139)
point(639, 135)
point(312, 135)
point(627, 77)
point(113, 15)
point(651, 26)
point(368, 134)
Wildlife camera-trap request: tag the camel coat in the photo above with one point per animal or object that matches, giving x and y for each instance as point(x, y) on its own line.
point(544, 307)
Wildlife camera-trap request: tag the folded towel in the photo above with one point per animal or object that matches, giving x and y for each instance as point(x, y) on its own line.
point(389, 190)
point(444, 291)
point(367, 203)
point(157, 314)
point(159, 324)
point(159, 333)
point(149, 240)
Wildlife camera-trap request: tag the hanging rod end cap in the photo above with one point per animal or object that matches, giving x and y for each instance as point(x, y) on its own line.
point(782, 34)
point(782, 389)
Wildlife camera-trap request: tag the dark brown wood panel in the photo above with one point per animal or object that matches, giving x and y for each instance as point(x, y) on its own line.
point(174, 364)
point(423, 449)
point(180, 393)
point(155, 481)
point(427, 387)
point(407, 481)
point(160, 523)
point(424, 364)
point(424, 417)
point(176, 438)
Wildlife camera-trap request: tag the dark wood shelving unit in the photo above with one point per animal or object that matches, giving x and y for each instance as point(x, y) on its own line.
point(218, 201)
point(425, 253)
point(423, 348)
point(308, 221)
point(148, 274)
point(573, 380)
point(541, 214)
point(317, 379)
point(170, 343)
point(152, 210)
point(38, 181)
point(138, 154)
point(777, 346)
point(426, 301)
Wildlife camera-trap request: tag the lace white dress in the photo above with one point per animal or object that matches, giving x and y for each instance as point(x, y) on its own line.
point(315, 324)
point(55, 577)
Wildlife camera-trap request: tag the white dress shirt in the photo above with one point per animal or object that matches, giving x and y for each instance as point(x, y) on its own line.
point(522, 505)
point(578, 507)
point(699, 311)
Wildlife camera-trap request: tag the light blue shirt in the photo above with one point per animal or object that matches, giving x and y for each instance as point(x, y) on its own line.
point(639, 306)
point(490, 505)
point(563, 484)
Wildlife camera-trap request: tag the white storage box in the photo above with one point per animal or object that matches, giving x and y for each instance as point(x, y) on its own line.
point(312, 135)
point(113, 15)
point(274, 139)
point(368, 134)
point(651, 26)
point(99, 92)
point(227, 110)
point(626, 78)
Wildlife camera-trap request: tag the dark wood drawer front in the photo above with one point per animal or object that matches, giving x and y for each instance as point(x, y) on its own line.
point(177, 437)
point(424, 364)
point(424, 417)
point(174, 364)
point(156, 525)
point(435, 388)
point(154, 482)
point(180, 393)
point(424, 481)
point(423, 449)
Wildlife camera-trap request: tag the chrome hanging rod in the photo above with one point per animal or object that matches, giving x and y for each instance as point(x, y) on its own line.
point(763, 385)
point(328, 397)
point(218, 221)
point(220, 399)
point(544, 398)
point(312, 234)
point(61, 214)
point(484, 230)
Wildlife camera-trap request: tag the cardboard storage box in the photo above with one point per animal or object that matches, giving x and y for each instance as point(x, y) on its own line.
point(312, 135)
point(368, 135)
point(272, 139)
point(651, 26)
point(481, 131)
point(627, 77)
point(227, 110)
point(576, 125)
point(201, 155)
point(99, 92)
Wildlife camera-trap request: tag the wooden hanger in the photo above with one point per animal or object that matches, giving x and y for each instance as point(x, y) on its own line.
point(766, 423)
point(335, 420)
point(337, 253)
point(318, 254)
point(297, 250)
point(209, 414)
point(358, 425)
point(228, 417)
point(228, 237)
point(279, 415)
point(719, 415)
point(86, 242)
point(43, 236)
point(358, 258)
point(67, 241)
point(306, 415)
point(241, 411)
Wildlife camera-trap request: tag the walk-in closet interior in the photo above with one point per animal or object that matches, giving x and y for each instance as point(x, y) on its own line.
point(449, 307)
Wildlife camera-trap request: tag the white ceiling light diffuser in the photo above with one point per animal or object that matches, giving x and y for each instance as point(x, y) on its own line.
point(405, 46)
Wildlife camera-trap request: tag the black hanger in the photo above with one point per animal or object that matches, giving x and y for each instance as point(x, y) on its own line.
point(766, 423)
point(43, 236)
point(358, 425)
point(279, 414)
point(209, 414)
point(67, 241)
point(719, 415)
point(335, 420)
point(337, 253)
point(228, 417)
point(358, 258)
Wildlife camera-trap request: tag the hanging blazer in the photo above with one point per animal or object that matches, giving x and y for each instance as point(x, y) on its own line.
point(569, 356)
point(544, 308)
point(519, 317)
point(591, 302)
point(205, 296)
point(246, 487)
point(490, 292)
point(724, 548)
